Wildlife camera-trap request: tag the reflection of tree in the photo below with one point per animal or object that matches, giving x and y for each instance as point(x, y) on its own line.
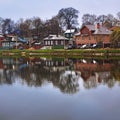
point(91, 83)
point(69, 83)
point(115, 71)
point(33, 75)
point(110, 83)
point(37, 75)
point(62, 77)
point(7, 75)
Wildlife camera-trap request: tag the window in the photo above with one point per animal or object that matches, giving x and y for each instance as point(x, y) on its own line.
point(95, 37)
point(103, 37)
point(48, 42)
point(82, 37)
point(62, 42)
point(45, 42)
point(67, 35)
point(56, 42)
point(89, 37)
point(51, 42)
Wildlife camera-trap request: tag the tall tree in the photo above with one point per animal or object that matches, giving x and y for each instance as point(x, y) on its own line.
point(68, 17)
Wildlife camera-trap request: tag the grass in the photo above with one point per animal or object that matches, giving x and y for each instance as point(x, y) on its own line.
point(63, 53)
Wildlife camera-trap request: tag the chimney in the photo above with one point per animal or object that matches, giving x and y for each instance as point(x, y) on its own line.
point(97, 27)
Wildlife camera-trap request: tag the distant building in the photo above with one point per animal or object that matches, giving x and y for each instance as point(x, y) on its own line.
point(8, 42)
point(93, 34)
point(1, 39)
point(70, 35)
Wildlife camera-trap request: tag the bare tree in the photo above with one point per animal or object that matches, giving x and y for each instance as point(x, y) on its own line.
point(37, 25)
point(8, 26)
point(118, 15)
point(68, 17)
point(88, 19)
point(102, 18)
point(1, 22)
point(52, 26)
point(25, 27)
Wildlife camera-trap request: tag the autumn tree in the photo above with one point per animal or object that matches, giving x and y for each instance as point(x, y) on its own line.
point(115, 38)
point(68, 17)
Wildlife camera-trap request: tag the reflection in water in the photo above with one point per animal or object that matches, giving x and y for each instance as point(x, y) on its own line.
point(62, 73)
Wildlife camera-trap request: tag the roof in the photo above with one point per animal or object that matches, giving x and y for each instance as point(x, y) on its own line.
point(102, 30)
point(77, 34)
point(91, 27)
point(55, 37)
point(1, 35)
point(70, 31)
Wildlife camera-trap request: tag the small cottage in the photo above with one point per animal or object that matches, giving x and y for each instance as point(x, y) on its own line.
point(55, 41)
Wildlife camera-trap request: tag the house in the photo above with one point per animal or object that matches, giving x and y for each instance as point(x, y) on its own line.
point(55, 41)
point(93, 34)
point(8, 42)
point(12, 41)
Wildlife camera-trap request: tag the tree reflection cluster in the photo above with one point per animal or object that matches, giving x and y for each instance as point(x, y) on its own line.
point(64, 73)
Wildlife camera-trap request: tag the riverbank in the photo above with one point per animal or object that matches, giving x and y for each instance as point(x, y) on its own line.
point(64, 53)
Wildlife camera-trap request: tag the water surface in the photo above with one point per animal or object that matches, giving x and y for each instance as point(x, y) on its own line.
point(59, 89)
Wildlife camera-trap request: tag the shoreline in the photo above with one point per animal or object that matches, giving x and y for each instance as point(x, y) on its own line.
point(64, 53)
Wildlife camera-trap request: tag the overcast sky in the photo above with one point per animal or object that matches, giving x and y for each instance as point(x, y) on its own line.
point(45, 9)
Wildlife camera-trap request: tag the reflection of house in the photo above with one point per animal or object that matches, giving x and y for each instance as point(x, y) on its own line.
point(54, 65)
point(55, 41)
point(1, 64)
point(89, 69)
point(93, 34)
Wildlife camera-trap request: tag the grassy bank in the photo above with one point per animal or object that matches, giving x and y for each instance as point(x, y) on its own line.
point(64, 53)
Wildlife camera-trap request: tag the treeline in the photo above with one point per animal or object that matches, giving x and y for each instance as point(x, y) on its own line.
point(29, 27)
point(67, 18)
